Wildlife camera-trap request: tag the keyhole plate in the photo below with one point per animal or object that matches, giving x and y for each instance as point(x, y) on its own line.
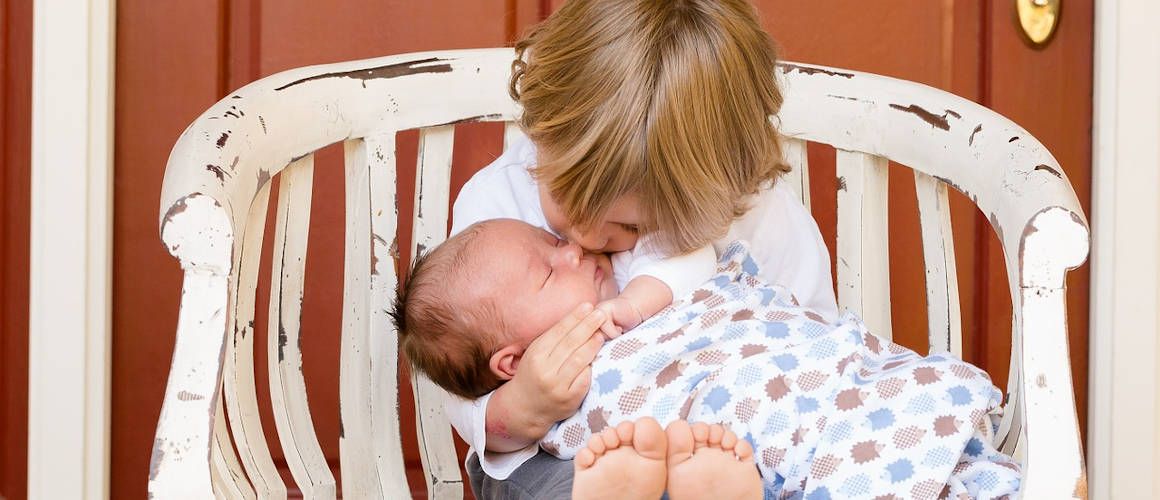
point(1038, 19)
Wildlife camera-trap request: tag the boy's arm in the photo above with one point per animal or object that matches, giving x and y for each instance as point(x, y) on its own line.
point(553, 377)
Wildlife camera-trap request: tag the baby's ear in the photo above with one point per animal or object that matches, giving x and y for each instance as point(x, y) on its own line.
point(504, 362)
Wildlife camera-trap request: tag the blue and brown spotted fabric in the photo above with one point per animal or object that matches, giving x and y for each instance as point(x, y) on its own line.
point(831, 410)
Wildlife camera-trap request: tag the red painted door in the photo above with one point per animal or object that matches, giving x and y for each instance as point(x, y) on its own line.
point(174, 59)
point(15, 144)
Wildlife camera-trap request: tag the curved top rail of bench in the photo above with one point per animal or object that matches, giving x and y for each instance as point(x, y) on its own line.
point(1006, 171)
point(234, 148)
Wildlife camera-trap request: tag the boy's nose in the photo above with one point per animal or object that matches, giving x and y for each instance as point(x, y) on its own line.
point(593, 240)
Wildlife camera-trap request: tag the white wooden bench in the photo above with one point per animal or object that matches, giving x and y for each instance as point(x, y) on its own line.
point(216, 192)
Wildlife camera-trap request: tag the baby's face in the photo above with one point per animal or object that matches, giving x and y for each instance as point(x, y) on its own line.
point(537, 279)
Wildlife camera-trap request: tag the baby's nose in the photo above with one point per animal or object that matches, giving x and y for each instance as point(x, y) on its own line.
point(570, 254)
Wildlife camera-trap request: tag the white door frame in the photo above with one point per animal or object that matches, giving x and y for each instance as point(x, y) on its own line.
point(1123, 416)
point(70, 299)
point(70, 248)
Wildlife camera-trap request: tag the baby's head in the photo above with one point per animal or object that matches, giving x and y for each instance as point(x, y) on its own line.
point(666, 103)
point(473, 304)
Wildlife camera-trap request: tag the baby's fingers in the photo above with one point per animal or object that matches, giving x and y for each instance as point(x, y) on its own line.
point(610, 330)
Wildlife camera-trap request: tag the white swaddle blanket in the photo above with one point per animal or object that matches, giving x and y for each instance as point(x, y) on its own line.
point(831, 410)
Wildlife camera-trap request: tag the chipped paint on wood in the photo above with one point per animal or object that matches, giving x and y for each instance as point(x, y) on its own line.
point(971, 140)
point(1049, 170)
point(806, 69)
point(283, 339)
point(389, 71)
point(846, 97)
point(473, 119)
point(217, 172)
point(1081, 487)
point(996, 225)
point(189, 396)
point(157, 458)
point(934, 120)
point(376, 243)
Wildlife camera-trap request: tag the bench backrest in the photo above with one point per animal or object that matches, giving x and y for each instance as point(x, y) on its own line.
point(213, 213)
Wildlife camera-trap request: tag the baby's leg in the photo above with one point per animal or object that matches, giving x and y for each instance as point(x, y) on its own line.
point(710, 462)
point(626, 462)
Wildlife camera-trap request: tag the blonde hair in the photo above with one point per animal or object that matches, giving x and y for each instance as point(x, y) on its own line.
point(666, 99)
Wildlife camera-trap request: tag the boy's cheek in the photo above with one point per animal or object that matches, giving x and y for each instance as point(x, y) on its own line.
point(621, 243)
point(553, 213)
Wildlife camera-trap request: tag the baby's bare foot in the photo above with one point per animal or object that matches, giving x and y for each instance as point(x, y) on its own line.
point(708, 461)
point(626, 462)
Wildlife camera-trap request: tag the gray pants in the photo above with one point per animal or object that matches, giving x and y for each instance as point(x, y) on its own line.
point(541, 477)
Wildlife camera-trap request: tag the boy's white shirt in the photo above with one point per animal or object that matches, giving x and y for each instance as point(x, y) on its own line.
point(783, 239)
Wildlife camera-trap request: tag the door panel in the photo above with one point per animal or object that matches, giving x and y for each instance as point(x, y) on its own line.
point(15, 144)
point(175, 60)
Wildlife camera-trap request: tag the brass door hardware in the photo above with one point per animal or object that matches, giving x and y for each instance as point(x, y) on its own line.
point(1038, 19)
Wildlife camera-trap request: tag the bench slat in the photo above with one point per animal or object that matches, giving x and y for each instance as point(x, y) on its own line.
point(229, 480)
point(944, 320)
point(359, 470)
point(378, 152)
point(287, 386)
point(240, 392)
point(432, 197)
point(798, 178)
point(863, 251)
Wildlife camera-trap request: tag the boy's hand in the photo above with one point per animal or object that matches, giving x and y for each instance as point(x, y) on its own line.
point(624, 316)
point(554, 375)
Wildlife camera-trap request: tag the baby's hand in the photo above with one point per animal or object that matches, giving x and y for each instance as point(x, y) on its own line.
point(623, 316)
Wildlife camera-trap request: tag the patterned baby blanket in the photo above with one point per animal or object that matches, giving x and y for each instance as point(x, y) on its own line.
point(831, 410)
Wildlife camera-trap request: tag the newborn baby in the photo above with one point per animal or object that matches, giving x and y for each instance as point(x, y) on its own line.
point(830, 409)
point(475, 302)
